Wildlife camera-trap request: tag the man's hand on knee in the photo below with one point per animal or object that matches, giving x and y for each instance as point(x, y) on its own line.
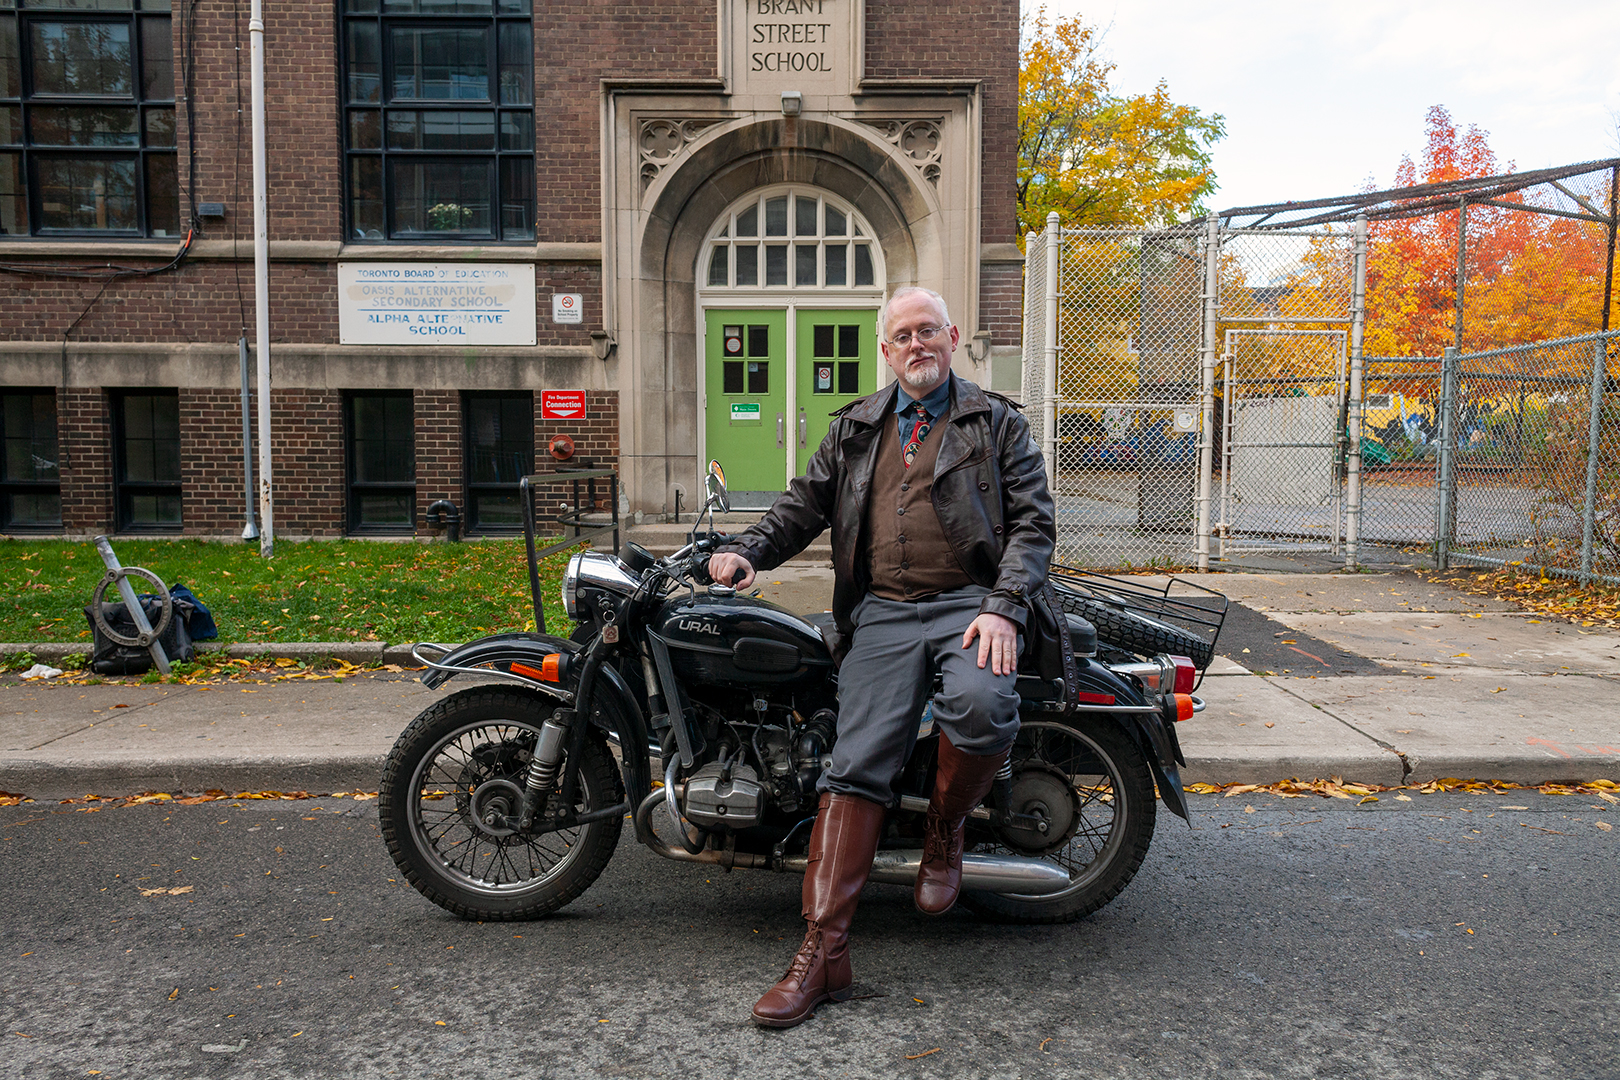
point(998, 642)
point(725, 565)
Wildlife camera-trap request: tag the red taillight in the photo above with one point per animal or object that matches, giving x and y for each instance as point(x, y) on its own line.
point(1184, 706)
point(1186, 675)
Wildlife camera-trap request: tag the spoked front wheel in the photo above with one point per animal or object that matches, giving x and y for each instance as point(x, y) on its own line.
point(1087, 800)
point(452, 783)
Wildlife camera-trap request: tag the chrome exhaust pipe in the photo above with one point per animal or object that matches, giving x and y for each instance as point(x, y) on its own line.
point(991, 873)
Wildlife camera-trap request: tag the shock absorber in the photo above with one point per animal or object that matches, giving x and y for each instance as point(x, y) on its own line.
point(548, 754)
point(1001, 788)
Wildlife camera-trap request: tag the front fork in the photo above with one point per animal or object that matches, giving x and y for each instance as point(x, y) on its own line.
point(548, 757)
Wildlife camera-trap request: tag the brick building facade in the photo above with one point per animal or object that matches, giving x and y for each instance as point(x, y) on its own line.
point(673, 172)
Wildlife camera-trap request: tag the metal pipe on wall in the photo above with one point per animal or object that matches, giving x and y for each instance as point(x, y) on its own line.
point(1356, 403)
point(261, 280)
point(250, 530)
point(1206, 363)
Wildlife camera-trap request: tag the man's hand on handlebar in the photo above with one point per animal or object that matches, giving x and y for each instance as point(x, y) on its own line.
point(726, 565)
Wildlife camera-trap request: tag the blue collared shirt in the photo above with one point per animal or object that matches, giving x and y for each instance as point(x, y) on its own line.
point(937, 401)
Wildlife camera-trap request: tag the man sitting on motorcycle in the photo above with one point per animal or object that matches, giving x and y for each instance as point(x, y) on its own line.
point(942, 529)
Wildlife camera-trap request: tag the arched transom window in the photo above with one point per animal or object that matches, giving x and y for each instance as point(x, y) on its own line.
point(792, 238)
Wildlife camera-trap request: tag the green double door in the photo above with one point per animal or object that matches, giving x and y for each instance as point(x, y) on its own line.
point(770, 395)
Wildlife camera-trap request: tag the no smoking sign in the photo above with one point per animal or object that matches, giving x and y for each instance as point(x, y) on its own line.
point(567, 307)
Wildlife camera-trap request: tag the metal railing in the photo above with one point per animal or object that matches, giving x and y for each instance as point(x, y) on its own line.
point(573, 516)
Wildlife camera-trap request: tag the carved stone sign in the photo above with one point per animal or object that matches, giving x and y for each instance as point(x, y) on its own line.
point(804, 45)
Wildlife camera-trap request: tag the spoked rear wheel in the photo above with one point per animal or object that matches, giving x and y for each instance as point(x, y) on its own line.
point(1088, 785)
point(454, 778)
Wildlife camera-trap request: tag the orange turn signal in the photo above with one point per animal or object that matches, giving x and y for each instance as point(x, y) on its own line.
point(550, 669)
point(1184, 707)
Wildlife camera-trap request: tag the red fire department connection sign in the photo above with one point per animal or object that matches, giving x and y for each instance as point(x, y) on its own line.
point(562, 404)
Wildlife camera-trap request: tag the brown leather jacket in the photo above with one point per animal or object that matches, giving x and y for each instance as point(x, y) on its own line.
point(989, 492)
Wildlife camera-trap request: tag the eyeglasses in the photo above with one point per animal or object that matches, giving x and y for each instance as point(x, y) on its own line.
point(925, 335)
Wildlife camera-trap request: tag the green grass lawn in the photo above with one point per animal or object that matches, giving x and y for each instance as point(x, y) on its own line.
point(343, 590)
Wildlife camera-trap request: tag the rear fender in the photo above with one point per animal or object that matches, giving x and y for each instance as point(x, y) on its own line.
point(612, 707)
point(1151, 730)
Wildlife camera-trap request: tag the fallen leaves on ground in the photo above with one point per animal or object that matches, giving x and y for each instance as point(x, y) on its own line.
point(1596, 604)
point(1337, 788)
point(99, 802)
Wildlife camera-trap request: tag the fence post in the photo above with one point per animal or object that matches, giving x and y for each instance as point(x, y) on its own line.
point(1600, 373)
point(1444, 523)
point(1206, 363)
point(1054, 232)
point(1353, 414)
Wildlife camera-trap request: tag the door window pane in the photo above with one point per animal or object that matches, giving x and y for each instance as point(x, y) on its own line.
point(821, 337)
point(759, 341)
point(804, 215)
point(748, 221)
point(759, 377)
point(863, 265)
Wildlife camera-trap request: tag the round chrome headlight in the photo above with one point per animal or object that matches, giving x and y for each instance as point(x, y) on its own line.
point(570, 587)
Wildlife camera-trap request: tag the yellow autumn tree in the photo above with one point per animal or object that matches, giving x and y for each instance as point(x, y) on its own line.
point(1096, 157)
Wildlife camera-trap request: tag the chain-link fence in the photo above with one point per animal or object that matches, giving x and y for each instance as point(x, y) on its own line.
point(1197, 403)
point(1529, 456)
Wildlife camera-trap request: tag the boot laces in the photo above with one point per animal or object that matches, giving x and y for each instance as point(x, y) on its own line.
point(799, 969)
point(936, 838)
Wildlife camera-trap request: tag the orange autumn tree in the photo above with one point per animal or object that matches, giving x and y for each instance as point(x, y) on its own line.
point(1529, 277)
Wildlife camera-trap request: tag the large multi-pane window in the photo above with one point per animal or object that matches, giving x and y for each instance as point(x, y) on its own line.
point(439, 119)
point(500, 452)
point(794, 238)
point(87, 142)
point(146, 439)
point(382, 461)
point(30, 481)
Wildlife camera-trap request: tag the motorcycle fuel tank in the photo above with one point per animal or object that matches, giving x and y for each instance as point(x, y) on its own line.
point(740, 641)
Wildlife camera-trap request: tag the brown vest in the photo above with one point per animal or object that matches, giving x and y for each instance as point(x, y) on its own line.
point(907, 553)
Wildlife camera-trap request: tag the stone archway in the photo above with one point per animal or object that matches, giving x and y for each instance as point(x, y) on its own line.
point(722, 166)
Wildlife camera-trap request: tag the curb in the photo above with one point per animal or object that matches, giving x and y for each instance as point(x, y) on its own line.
point(350, 652)
point(53, 781)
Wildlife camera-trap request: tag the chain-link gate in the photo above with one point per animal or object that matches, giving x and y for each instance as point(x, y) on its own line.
point(1115, 329)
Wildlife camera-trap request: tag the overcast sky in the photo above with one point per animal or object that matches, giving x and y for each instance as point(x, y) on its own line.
point(1320, 96)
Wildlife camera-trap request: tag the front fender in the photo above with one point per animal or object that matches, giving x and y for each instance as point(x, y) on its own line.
point(612, 707)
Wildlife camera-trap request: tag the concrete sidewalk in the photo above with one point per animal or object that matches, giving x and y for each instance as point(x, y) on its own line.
point(1378, 678)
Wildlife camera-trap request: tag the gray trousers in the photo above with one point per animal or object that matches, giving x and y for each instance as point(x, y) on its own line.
point(885, 680)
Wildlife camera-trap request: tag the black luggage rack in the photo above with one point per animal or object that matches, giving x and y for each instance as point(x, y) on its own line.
point(1142, 618)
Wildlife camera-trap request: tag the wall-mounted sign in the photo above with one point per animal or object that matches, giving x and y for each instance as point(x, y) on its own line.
point(745, 410)
point(562, 404)
point(567, 307)
point(436, 303)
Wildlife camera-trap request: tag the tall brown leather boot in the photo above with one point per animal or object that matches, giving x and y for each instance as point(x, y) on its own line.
point(842, 844)
point(960, 782)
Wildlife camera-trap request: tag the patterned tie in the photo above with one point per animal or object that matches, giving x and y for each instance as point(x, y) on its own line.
point(918, 433)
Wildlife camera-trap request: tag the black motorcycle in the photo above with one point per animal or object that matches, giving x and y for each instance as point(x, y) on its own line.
point(505, 800)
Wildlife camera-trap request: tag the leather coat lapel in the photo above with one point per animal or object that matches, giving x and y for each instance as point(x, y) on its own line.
point(958, 441)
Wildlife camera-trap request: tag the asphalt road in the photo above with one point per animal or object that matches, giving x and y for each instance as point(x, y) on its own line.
point(1449, 936)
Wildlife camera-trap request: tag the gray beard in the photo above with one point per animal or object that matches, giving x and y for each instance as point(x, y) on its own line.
point(921, 378)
